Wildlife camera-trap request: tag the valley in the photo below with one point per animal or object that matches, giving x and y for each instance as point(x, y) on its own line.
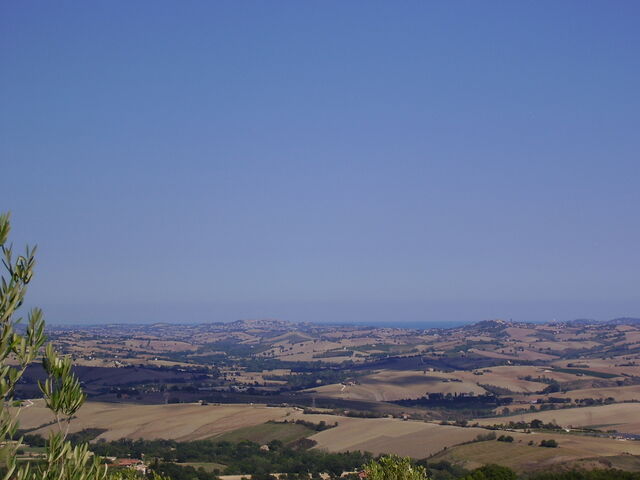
point(439, 394)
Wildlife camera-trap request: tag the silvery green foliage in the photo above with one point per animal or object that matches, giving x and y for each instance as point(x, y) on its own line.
point(392, 467)
point(61, 390)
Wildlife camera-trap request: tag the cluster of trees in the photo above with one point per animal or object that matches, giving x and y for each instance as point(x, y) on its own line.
point(318, 427)
point(586, 402)
point(567, 402)
point(497, 390)
point(477, 403)
point(589, 373)
point(346, 413)
point(301, 381)
point(553, 387)
point(549, 443)
point(384, 468)
point(239, 458)
point(491, 472)
point(485, 437)
point(539, 379)
point(554, 400)
point(535, 424)
point(394, 468)
point(335, 353)
point(77, 438)
point(183, 472)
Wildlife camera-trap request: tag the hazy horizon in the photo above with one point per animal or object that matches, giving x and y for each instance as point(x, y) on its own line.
point(414, 162)
point(381, 324)
point(395, 314)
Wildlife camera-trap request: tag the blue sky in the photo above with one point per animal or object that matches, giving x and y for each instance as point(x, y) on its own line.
point(324, 161)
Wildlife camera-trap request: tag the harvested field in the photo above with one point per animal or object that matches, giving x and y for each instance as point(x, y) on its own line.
point(623, 417)
point(155, 345)
point(565, 345)
point(507, 377)
point(389, 385)
point(522, 457)
point(192, 422)
point(621, 394)
point(519, 355)
point(521, 334)
point(386, 435)
point(614, 366)
point(177, 421)
point(266, 432)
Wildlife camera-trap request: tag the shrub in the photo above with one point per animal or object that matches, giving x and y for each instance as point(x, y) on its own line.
point(61, 389)
point(393, 467)
point(492, 472)
point(549, 443)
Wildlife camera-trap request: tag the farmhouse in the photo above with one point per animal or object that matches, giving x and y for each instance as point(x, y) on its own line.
point(133, 463)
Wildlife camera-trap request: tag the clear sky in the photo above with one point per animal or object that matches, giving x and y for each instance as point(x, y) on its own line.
point(341, 161)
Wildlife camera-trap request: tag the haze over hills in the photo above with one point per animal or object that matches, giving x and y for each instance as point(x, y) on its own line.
point(424, 214)
point(418, 325)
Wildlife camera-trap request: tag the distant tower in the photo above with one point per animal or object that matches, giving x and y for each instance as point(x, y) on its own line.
point(313, 401)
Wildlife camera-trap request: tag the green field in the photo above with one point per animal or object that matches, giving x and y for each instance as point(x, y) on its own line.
point(589, 373)
point(264, 433)
point(206, 466)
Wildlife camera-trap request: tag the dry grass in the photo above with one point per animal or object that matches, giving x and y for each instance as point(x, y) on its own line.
point(521, 334)
point(177, 421)
point(623, 417)
point(266, 432)
point(505, 377)
point(386, 435)
point(389, 385)
point(621, 394)
point(522, 457)
point(609, 365)
point(192, 422)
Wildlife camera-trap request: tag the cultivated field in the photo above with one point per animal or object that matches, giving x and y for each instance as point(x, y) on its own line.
point(386, 435)
point(620, 394)
point(522, 457)
point(174, 421)
point(525, 369)
point(391, 385)
point(623, 417)
point(266, 432)
point(233, 422)
point(398, 385)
